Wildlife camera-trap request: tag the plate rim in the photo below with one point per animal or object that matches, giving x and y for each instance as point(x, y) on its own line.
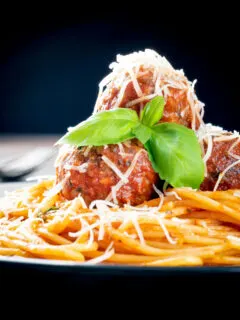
point(78, 266)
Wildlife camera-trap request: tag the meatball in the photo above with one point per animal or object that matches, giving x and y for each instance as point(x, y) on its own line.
point(98, 173)
point(224, 153)
point(138, 77)
point(177, 108)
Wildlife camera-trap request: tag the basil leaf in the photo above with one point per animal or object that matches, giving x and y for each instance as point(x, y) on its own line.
point(153, 111)
point(142, 133)
point(106, 127)
point(176, 155)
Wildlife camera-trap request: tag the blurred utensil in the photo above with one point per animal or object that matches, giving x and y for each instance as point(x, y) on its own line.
point(17, 167)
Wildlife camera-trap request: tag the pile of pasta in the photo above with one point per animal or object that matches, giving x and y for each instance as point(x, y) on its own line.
point(183, 227)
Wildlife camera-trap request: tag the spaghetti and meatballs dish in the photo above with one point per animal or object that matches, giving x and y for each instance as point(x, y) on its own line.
point(143, 181)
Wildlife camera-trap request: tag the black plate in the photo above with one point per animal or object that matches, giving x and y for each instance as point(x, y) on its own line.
point(71, 275)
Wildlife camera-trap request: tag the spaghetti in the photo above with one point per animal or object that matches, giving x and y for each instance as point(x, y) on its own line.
point(188, 228)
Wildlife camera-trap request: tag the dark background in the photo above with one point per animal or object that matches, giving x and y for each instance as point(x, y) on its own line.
point(50, 66)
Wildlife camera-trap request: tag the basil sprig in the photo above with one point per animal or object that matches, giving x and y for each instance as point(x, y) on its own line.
point(173, 149)
point(107, 127)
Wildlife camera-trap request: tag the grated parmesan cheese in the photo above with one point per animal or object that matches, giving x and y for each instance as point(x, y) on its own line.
point(87, 150)
point(113, 193)
point(136, 101)
point(162, 225)
point(138, 229)
point(121, 94)
point(81, 169)
point(161, 197)
point(54, 191)
point(105, 256)
point(115, 169)
point(121, 148)
point(236, 194)
point(173, 193)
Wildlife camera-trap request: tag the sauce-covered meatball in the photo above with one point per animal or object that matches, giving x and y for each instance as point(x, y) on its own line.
point(138, 77)
point(177, 108)
point(223, 155)
point(119, 173)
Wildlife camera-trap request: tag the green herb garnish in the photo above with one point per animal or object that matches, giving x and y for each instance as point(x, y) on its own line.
point(173, 149)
